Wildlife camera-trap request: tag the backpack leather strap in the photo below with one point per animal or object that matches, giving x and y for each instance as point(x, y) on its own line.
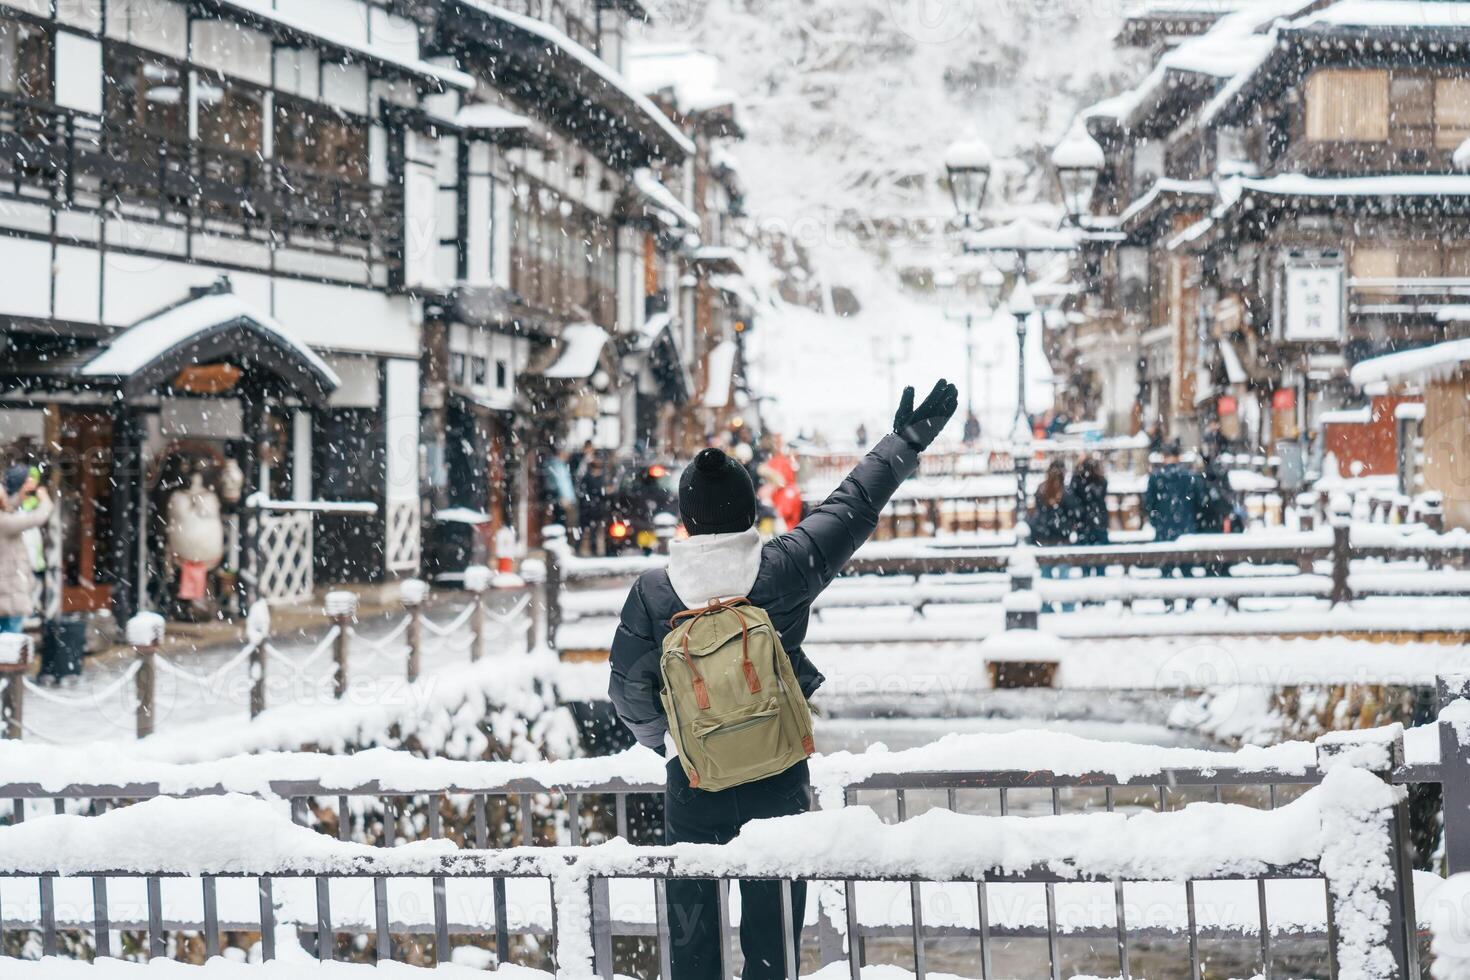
point(701, 690)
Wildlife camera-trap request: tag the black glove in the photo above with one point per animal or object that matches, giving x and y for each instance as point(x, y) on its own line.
point(920, 426)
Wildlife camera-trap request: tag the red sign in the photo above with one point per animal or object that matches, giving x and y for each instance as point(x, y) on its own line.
point(1283, 399)
point(1226, 405)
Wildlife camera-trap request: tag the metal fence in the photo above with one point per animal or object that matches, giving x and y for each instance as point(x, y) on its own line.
point(579, 816)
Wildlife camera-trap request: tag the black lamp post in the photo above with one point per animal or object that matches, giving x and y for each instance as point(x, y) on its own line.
point(1078, 161)
point(967, 162)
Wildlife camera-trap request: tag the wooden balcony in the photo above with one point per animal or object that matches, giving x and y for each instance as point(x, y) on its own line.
point(80, 162)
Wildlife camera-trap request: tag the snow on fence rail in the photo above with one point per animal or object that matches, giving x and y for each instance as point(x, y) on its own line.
point(467, 630)
point(944, 575)
point(1001, 765)
point(1348, 833)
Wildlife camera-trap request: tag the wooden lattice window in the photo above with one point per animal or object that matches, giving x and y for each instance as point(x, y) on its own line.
point(1347, 106)
point(1451, 112)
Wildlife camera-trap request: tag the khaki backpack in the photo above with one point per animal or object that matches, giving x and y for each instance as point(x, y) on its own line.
point(734, 708)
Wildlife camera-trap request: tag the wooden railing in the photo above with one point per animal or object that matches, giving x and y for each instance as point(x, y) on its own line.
point(81, 161)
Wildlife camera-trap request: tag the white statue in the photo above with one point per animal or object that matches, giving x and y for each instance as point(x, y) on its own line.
point(196, 532)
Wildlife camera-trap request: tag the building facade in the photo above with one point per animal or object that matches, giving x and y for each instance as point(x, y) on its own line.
point(322, 281)
point(1280, 201)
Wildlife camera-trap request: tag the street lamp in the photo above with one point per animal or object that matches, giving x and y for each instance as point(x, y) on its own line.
point(992, 281)
point(946, 281)
point(1078, 161)
point(967, 163)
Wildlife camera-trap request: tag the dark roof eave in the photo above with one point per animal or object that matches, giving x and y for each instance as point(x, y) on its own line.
point(568, 93)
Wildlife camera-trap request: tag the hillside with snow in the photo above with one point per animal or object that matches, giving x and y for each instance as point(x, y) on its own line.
point(848, 106)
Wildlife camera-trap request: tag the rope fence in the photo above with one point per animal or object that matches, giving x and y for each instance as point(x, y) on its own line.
point(469, 631)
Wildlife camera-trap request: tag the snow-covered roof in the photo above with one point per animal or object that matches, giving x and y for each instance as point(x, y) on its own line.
point(1235, 46)
point(1390, 13)
point(264, 12)
point(582, 346)
point(154, 336)
point(557, 39)
point(1161, 187)
point(691, 75)
point(1389, 185)
point(655, 325)
point(483, 115)
point(721, 367)
point(667, 206)
point(1418, 366)
point(1022, 234)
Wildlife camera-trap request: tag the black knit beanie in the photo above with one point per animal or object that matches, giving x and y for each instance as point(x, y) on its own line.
point(716, 495)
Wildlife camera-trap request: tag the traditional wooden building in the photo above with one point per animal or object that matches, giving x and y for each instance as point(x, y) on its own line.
point(209, 232)
point(1299, 205)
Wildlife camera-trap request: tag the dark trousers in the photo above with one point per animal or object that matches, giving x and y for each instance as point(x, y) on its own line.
point(698, 817)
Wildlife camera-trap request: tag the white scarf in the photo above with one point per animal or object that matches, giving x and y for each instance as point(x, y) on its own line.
point(714, 566)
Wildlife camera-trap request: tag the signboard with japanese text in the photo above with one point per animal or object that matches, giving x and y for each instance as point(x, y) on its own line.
point(1314, 309)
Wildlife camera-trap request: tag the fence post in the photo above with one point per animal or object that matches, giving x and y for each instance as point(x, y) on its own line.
point(1306, 510)
point(556, 550)
point(414, 593)
point(342, 608)
point(1340, 517)
point(1431, 510)
point(257, 632)
point(477, 583)
point(15, 661)
point(1022, 604)
point(1381, 757)
point(535, 573)
point(145, 633)
point(1454, 773)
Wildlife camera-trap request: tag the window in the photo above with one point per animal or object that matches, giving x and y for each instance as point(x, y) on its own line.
point(1451, 112)
point(502, 374)
point(25, 60)
point(456, 368)
point(1347, 106)
point(231, 114)
point(481, 370)
point(145, 92)
point(321, 139)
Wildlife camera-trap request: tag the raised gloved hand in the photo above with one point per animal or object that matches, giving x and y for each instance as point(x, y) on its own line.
point(921, 426)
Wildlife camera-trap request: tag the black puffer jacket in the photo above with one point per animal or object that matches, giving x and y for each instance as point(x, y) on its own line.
point(794, 569)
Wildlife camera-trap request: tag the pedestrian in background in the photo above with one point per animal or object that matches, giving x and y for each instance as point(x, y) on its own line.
point(24, 506)
point(1172, 502)
point(1217, 508)
point(1054, 521)
point(1090, 496)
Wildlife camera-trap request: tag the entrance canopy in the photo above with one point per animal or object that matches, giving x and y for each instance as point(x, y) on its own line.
point(210, 340)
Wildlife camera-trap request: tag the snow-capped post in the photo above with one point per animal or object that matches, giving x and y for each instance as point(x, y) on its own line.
point(144, 634)
point(414, 593)
point(1022, 604)
point(257, 632)
point(533, 570)
point(554, 538)
point(341, 607)
point(1022, 655)
point(477, 583)
point(665, 527)
point(1367, 855)
point(15, 660)
point(1340, 516)
point(1306, 510)
point(1454, 761)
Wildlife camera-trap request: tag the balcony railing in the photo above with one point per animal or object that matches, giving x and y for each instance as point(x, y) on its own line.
point(81, 161)
point(1424, 295)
